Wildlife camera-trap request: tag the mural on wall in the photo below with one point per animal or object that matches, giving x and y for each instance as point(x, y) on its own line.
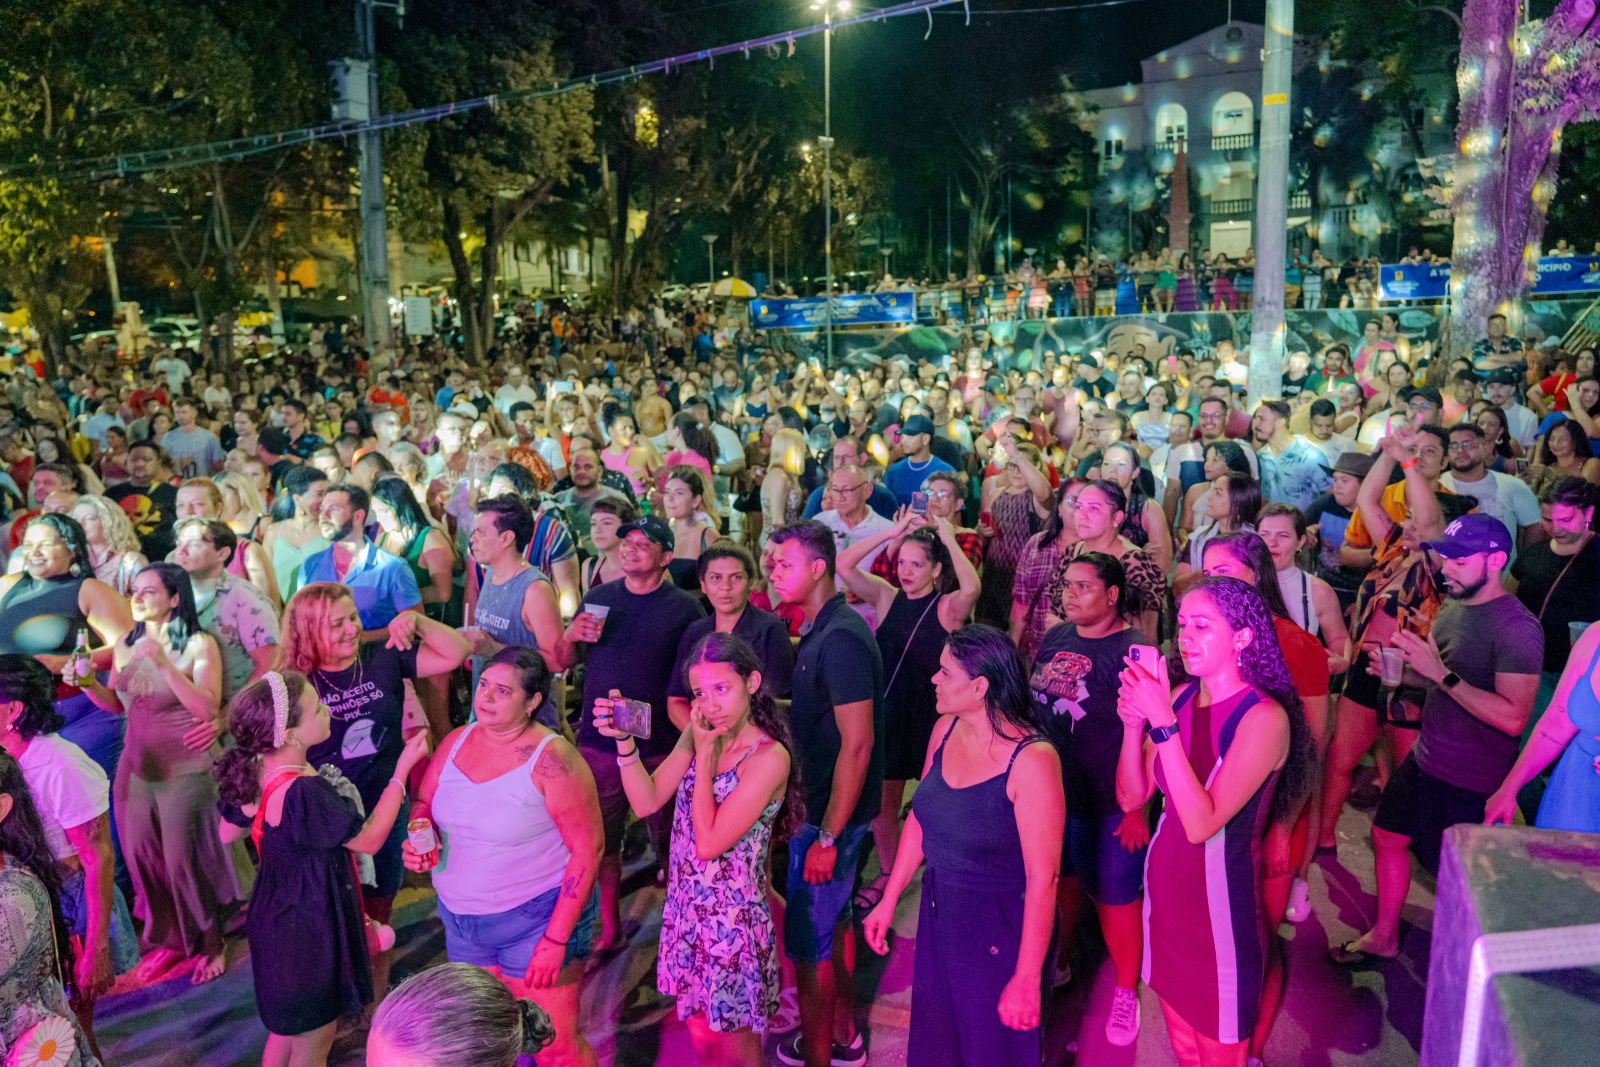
point(1161, 335)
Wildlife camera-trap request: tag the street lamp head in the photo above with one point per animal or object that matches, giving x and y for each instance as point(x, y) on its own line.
point(709, 238)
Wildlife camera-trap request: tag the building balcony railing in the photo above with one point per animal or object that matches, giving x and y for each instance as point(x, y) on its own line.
point(1300, 201)
point(1232, 142)
point(1243, 206)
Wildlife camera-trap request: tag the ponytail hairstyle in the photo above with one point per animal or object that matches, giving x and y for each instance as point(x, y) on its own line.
point(22, 838)
point(1262, 665)
point(938, 556)
point(985, 652)
point(252, 720)
point(736, 652)
point(459, 1013)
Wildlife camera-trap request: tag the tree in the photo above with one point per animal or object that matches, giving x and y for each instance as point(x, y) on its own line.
point(482, 173)
point(1514, 105)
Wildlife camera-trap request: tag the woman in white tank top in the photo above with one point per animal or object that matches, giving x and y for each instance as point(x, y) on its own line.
point(519, 837)
point(1312, 603)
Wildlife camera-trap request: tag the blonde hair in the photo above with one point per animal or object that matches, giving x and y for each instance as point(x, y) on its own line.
point(304, 646)
point(243, 487)
point(788, 451)
point(118, 528)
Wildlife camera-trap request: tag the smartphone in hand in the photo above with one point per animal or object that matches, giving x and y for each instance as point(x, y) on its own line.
point(631, 717)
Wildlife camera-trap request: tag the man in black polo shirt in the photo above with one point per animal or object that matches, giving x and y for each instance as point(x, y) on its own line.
point(837, 716)
point(633, 642)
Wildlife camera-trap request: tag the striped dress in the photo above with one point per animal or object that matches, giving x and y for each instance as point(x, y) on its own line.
point(1205, 931)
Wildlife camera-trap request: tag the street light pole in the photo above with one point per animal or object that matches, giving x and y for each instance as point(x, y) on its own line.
point(827, 6)
point(711, 264)
point(1272, 204)
point(374, 227)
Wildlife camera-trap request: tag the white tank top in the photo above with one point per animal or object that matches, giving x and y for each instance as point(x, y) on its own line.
point(1296, 586)
point(498, 846)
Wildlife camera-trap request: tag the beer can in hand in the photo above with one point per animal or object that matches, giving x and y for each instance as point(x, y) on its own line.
point(424, 842)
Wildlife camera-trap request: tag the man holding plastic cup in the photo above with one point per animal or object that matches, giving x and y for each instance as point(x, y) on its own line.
point(631, 629)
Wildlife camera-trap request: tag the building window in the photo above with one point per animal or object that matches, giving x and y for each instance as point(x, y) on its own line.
point(1111, 149)
point(1172, 125)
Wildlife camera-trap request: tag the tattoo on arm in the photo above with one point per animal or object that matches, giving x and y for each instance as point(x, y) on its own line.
point(553, 765)
point(569, 888)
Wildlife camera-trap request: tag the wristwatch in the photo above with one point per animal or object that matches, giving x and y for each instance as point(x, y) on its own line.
point(1450, 680)
point(1159, 734)
point(825, 839)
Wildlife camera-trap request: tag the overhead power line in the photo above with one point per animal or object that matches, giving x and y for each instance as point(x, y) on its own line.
point(123, 164)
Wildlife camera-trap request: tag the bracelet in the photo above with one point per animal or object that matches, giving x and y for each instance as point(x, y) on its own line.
point(553, 941)
point(1407, 464)
point(398, 782)
point(634, 751)
point(627, 761)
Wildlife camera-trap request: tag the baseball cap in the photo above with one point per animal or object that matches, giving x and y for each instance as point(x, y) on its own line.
point(274, 440)
point(917, 424)
point(1428, 393)
point(1470, 535)
point(1353, 463)
point(1085, 358)
point(653, 527)
point(1504, 376)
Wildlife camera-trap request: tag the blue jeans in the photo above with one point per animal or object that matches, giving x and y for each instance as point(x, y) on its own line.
point(508, 939)
point(815, 910)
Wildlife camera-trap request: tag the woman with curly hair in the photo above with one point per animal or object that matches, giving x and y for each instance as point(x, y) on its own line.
point(1229, 749)
point(114, 548)
point(735, 782)
point(38, 950)
point(308, 945)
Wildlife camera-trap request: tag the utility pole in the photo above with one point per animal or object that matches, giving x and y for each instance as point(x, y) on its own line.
point(711, 263)
point(1272, 205)
point(374, 226)
point(111, 270)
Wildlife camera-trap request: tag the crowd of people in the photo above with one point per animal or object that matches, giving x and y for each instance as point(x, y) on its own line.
point(281, 637)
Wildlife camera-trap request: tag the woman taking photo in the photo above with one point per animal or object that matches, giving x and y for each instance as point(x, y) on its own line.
point(296, 531)
point(362, 683)
point(44, 608)
point(520, 840)
point(167, 679)
point(1030, 607)
point(682, 501)
point(1099, 520)
point(202, 498)
point(989, 818)
point(308, 943)
point(1143, 522)
point(938, 587)
point(1216, 748)
point(735, 784)
point(407, 534)
point(113, 545)
point(38, 972)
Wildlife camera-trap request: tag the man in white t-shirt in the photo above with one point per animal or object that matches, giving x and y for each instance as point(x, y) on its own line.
point(516, 388)
point(851, 520)
point(175, 369)
point(1520, 420)
point(1499, 495)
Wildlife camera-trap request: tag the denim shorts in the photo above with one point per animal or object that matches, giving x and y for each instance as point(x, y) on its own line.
point(507, 939)
point(814, 911)
point(1093, 853)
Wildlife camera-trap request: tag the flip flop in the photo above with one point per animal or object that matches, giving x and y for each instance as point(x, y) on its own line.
point(1347, 955)
point(868, 896)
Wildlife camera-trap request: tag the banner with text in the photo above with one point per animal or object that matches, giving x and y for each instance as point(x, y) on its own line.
point(1431, 281)
point(853, 309)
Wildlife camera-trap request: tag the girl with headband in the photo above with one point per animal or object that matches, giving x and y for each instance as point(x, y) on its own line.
point(308, 945)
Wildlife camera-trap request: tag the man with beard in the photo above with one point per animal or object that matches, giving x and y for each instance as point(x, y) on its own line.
point(525, 424)
point(1481, 665)
point(580, 497)
point(150, 497)
point(1291, 468)
point(1505, 497)
point(382, 585)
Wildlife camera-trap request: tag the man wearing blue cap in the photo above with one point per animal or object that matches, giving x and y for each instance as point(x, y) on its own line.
point(1481, 663)
point(906, 476)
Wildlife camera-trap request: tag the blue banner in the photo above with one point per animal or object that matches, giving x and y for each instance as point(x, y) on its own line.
point(854, 309)
point(1431, 281)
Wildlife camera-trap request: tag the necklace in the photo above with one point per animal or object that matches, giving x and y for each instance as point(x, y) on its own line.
point(915, 466)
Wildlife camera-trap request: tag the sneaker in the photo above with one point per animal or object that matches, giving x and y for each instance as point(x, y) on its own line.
point(852, 1055)
point(1122, 1026)
point(1299, 902)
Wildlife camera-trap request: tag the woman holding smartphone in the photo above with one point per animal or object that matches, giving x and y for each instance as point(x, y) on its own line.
point(734, 784)
point(519, 833)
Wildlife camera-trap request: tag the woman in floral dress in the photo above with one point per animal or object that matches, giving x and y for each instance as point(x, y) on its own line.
point(1017, 504)
point(734, 781)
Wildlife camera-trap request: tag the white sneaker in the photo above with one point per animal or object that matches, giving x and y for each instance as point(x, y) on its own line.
point(1299, 902)
point(1122, 1025)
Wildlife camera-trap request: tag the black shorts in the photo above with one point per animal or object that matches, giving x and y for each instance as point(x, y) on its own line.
point(1359, 686)
point(1398, 707)
point(1421, 807)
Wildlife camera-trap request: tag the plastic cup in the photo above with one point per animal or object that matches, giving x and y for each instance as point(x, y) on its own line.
point(599, 612)
point(1575, 630)
point(1391, 665)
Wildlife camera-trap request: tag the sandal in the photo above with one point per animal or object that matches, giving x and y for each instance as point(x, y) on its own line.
point(1347, 955)
point(868, 896)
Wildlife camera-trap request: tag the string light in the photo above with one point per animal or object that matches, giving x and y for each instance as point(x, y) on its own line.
point(239, 148)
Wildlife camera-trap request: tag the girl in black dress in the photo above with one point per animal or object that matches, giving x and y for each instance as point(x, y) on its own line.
point(308, 946)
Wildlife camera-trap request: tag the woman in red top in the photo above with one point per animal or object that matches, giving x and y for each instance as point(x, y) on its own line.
point(1245, 556)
